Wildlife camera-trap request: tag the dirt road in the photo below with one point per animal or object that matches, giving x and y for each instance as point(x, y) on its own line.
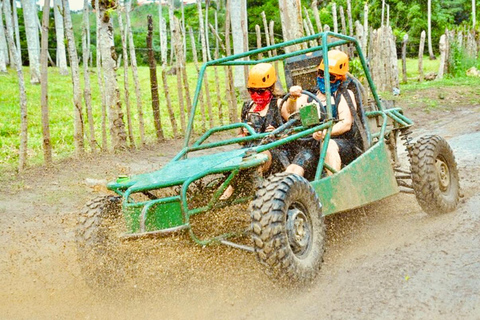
point(388, 261)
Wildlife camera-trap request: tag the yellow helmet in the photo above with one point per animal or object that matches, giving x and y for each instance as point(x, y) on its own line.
point(337, 63)
point(262, 75)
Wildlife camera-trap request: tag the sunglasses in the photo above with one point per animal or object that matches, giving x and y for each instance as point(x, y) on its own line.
point(256, 90)
point(333, 78)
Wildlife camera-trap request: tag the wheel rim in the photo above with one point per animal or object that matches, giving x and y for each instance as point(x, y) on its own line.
point(299, 229)
point(443, 174)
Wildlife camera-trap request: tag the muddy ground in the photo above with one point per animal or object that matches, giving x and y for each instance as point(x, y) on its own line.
point(388, 261)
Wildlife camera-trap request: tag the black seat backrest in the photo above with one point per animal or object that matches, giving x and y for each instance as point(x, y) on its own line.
point(354, 85)
point(302, 70)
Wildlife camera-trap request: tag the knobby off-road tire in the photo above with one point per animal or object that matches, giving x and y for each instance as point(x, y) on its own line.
point(288, 228)
point(434, 175)
point(98, 241)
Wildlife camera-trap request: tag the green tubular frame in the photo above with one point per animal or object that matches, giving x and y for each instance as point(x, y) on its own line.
point(394, 114)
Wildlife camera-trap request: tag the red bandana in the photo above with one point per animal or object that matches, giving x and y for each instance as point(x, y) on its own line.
point(261, 99)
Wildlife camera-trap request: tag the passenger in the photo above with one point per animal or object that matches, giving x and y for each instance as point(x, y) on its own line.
point(343, 147)
point(262, 112)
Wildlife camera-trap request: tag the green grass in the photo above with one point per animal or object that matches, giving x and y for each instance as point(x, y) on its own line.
point(413, 94)
point(61, 111)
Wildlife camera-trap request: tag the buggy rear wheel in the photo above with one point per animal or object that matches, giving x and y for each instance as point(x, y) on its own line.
point(434, 175)
point(288, 228)
point(98, 242)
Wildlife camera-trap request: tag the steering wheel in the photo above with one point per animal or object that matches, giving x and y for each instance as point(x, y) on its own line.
point(323, 110)
point(294, 117)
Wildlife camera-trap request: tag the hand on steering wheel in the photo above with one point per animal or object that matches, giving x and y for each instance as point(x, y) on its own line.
point(323, 111)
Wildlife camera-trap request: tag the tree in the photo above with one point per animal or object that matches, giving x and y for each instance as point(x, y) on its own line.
point(291, 19)
point(429, 17)
point(17, 64)
point(60, 36)
point(87, 92)
point(109, 63)
point(133, 60)
point(33, 42)
point(3, 44)
point(47, 146)
point(77, 95)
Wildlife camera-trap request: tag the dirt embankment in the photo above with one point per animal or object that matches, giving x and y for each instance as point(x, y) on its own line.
point(387, 261)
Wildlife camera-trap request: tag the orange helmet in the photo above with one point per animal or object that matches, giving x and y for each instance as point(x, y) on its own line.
point(337, 64)
point(262, 75)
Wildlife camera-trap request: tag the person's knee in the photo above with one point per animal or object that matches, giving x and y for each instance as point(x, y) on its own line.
point(296, 169)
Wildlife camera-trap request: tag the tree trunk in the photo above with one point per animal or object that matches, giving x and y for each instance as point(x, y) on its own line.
point(350, 27)
point(318, 22)
point(202, 31)
point(443, 49)
point(179, 73)
point(215, 69)
point(157, 121)
point(60, 35)
point(334, 17)
point(170, 23)
point(87, 91)
point(195, 62)
point(17, 64)
point(112, 93)
point(205, 58)
point(291, 17)
point(404, 58)
point(183, 69)
point(101, 85)
point(184, 50)
point(383, 13)
point(474, 16)
point(309, 23)
point(133, 60)
point(207, 42)
point(344, 25)
point(258, 32)
point(126, 84)
point(162, 30)
point(47, 146)
point(3, 44)
point(231, 97)
point(267, 35)
point(429, 17)
point(17, 31)
point(77, 95)
point(33, 42)
point(239, 30)
point(365, 28)
point(420, 56)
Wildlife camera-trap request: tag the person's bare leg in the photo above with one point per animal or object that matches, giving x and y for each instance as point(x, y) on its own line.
point(261, 169)
point(295, 168)
point(264, 168)
point(332, 158)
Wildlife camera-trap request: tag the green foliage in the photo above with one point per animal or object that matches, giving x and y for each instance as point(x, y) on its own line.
point(460, 62)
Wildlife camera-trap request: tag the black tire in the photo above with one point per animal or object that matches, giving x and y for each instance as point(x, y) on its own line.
point(98, 242)
point(288, 228)
point(434, 175)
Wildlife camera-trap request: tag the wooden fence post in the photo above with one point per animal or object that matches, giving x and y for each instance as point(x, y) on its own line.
point(334, 17)
point(316, 15)
point(420, 56)
point(443, 47)
point(157, 120)
point(404, 58)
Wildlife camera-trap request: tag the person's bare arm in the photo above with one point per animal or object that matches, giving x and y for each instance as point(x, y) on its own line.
point(345, 119)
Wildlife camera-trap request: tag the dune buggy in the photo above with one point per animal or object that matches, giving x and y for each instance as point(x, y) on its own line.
point(286, 229)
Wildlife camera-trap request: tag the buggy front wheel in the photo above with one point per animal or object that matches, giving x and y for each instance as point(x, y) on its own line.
point(288, 228)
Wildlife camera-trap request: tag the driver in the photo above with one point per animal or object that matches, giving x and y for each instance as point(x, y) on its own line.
point(262, 113)
point(342, 148)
